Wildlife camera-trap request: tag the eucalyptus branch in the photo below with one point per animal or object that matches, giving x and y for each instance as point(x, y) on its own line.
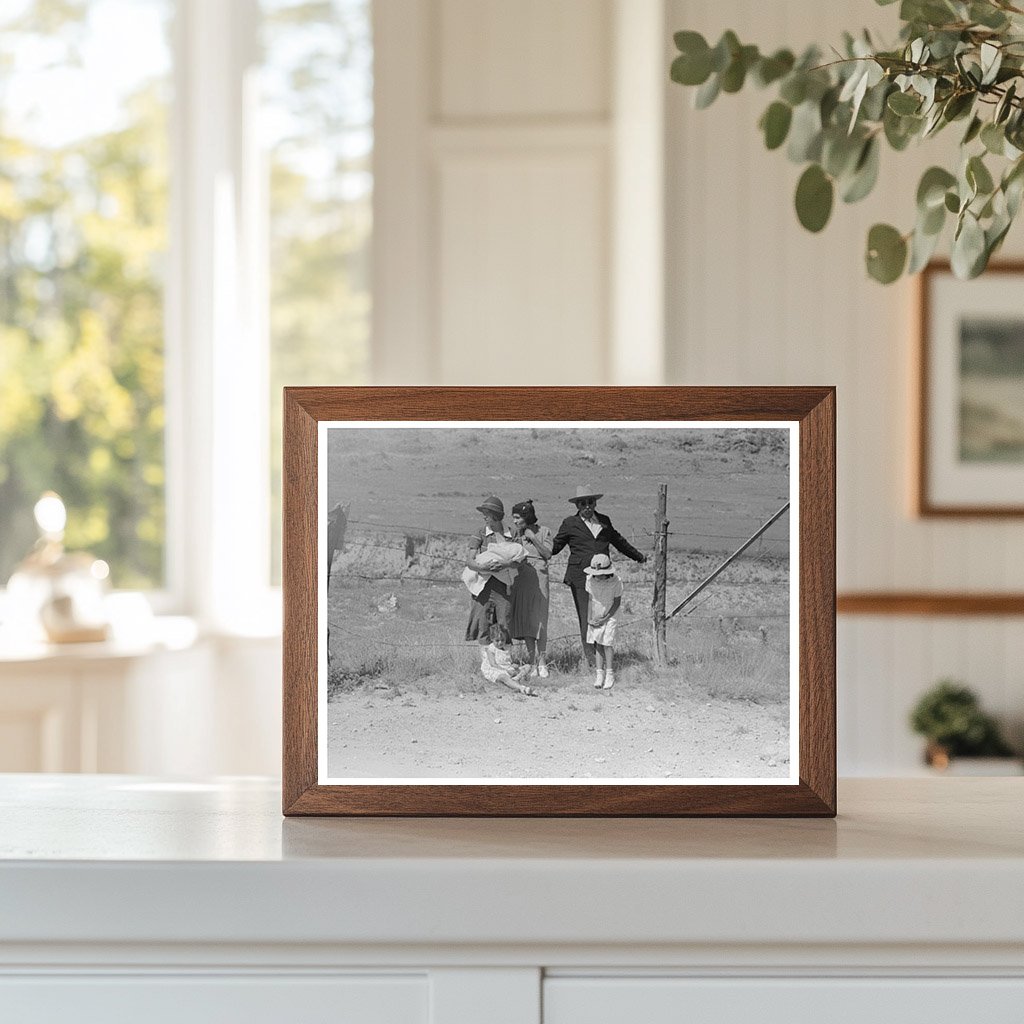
point(833, 117)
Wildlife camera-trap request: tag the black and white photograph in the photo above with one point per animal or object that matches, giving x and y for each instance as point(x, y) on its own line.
point(557, 602)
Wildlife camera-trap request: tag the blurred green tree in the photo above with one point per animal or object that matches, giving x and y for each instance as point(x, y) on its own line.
point(82, 232)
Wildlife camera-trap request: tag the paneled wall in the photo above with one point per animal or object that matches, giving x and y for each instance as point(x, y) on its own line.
point(511, 134)
point(754, 299)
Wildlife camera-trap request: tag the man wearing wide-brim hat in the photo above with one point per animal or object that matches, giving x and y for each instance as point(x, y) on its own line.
point(588, 533)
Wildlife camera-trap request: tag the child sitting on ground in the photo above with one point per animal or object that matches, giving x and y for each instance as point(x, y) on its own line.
point(605, 590)
point(496, 660)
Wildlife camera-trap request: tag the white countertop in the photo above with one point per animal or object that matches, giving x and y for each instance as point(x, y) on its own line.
point(121, 859)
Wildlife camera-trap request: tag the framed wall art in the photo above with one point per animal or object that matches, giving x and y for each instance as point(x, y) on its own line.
point(559, 601)
point(970, 444)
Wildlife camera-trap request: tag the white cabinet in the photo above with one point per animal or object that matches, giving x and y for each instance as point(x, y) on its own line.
point(202, 999)
point(823, 1000)
point(133, 898)
point(98, 707)
point(176, 705)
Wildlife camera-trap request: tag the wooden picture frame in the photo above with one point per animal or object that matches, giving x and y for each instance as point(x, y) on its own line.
point(717, 441)
point(969, 449)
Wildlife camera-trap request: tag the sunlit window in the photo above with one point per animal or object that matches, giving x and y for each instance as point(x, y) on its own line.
point(317, 121)
point(83, 237)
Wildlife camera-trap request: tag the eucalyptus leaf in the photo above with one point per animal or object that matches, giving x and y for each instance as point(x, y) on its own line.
point(978, 176)
point(724, 51)
point(931, 190)
point(735, 74)
point(794, 88)
point(1013, 187)
point(958, 105)
point(840, 152)
point(775, 124)
point(930, 12)
point(995, 233)
point(814, 195)
point(1005, 105)
point(993, 138)
point(922, 248)
point(932, 221)
point(1014, 191)
point(900, 130)
point(925, 88)
point(693, 67)
point(973, 129)
point(952, 202)
point(903, 103)
point(987, 15)
point(689, 42)
point(771, 69)
point(944, 44)
point(805, 133)
point(886, 253)
point(933, 122)
point(873, 106)
point(707, 93)
point(865, 174)
point(991, 60)
point(968, 247)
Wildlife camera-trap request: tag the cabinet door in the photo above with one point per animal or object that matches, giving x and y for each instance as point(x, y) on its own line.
point(205, 999)
point(783, 1000)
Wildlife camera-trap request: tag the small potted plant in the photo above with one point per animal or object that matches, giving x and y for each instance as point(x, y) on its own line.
point(950, 717)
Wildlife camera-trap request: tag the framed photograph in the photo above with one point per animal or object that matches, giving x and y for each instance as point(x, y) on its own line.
point(559, 601)
point(970, 450)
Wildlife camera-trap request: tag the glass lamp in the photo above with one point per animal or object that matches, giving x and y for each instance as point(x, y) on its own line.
point(54, 595)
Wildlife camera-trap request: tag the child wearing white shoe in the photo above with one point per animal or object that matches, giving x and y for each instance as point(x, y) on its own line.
point(605, 590)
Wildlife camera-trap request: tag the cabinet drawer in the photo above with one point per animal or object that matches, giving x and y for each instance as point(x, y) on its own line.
point(202, 999)
point(782, 1000)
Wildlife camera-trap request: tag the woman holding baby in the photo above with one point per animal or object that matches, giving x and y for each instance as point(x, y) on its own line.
point(508, 573)
point(498, 570)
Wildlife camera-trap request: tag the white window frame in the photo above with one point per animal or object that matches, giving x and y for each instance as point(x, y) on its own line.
point(218, 514)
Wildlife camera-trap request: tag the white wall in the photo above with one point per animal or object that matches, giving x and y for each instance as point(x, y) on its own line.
point(497, 212)
point(754, 299)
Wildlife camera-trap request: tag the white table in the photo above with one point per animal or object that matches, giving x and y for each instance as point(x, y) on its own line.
point(197, 902)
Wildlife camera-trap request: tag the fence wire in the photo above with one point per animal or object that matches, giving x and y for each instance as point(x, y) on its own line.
point(372, 532)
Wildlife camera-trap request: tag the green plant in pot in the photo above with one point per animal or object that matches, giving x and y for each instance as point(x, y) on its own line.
point(957, 62)
point(949, 716)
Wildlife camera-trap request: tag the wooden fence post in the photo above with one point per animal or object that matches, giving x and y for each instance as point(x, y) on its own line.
point(660, 575)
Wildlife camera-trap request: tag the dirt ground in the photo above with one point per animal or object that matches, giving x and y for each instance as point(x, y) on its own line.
point(570, 730)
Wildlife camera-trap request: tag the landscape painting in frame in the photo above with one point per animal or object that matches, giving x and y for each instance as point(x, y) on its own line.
point(557, 602)
point(972, 393)
point(992, 390)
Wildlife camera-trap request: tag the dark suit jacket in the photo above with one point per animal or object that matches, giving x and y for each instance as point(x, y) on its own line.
point(583, 545)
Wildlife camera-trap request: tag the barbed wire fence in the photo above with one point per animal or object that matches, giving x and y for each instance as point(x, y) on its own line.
point(417, 540)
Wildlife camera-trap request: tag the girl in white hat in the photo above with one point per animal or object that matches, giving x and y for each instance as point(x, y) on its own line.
point(605, 590)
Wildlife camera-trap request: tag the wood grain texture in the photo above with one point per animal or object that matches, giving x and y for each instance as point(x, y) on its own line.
point(813, 408)
point(924, 603)
point(299, 594)
point(923, 503)
point(817, 599)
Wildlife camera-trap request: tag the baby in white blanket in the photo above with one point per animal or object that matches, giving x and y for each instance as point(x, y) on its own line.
point(493, 561)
